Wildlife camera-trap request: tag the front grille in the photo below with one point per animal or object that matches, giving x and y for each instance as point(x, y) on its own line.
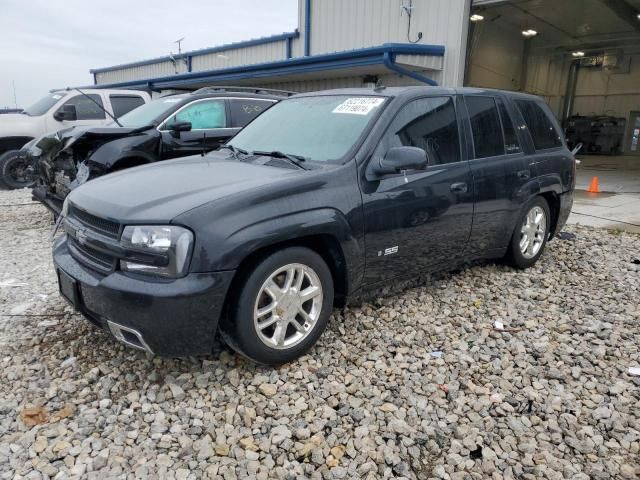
point(105, 227)
point(92, 257)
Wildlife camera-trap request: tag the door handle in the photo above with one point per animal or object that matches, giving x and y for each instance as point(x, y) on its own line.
point(524, 174)
point(459, 187)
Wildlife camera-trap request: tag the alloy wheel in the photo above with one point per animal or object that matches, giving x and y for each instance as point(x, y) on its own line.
point(533, 232)
point(288, 306)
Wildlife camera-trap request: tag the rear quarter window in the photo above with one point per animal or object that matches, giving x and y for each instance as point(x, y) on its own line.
point(539, 123)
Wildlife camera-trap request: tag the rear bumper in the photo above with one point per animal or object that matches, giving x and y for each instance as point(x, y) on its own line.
point(168, 318)
point(566, 204)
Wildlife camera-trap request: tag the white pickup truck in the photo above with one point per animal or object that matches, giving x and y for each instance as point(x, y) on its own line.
point(59, 109)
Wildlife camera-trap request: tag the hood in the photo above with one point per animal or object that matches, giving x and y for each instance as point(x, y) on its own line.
point(161, 191)
point(51, 144)
point(56, 141)
point(19, 125)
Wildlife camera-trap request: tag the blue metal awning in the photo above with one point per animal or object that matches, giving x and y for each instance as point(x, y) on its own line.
point(383, 55)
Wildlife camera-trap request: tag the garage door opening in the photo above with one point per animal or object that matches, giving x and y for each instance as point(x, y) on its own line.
point(581, 56)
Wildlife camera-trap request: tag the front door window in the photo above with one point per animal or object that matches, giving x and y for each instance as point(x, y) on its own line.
point(203, 115)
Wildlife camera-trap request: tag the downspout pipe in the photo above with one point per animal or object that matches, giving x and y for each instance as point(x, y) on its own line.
point(390, 63)
point(287, 52)
point(570, 94)
point(307, 28)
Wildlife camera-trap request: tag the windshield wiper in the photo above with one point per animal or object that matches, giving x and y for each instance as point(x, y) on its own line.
point(234, 150)
point(293, 159)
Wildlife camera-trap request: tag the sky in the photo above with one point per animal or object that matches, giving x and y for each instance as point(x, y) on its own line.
point(47, 44)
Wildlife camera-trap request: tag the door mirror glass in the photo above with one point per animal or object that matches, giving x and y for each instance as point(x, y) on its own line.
point(398, 159)
point(66, 113)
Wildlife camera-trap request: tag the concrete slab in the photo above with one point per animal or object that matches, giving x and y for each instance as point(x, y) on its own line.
point(618, 206)
point(615, 174)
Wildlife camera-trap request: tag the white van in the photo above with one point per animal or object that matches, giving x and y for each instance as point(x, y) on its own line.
point(57, 110)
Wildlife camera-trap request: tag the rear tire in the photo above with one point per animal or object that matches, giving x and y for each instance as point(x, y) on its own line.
point(14, 171)
point(282, 307)
point(530, 235)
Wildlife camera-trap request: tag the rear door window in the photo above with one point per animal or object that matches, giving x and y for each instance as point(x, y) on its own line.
point(485, 126)
point(122, 104)
point(87, 108)
point(541, 128)
point(243, 110)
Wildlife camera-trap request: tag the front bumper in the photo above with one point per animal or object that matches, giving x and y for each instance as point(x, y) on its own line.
point(166, 317)
point(53, 203)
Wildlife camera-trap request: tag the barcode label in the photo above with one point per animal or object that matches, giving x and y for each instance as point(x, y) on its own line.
point(358, 105)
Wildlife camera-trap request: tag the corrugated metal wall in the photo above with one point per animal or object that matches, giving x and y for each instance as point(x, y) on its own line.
point(141, 72)
point(338, 25)
point(233, 57)
point(267, 52)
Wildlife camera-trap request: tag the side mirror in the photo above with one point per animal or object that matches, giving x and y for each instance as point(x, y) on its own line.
point(66, 113)
point(178, 127)
point(398, 159)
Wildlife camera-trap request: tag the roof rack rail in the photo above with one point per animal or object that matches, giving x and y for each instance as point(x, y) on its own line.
point(268, 91)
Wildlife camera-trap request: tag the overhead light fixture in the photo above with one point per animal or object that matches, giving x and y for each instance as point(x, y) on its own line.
point(529, 33)
point(476, 18)
point(577, 54)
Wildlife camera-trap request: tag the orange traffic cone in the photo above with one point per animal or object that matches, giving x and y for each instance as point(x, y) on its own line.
point(593, 188)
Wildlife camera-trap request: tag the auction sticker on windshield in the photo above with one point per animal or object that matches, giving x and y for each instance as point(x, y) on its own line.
point(358, 105)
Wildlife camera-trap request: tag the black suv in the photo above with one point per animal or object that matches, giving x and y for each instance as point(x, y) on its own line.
point(169, 127)
point(323, 196)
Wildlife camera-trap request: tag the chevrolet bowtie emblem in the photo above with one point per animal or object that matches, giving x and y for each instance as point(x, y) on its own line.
point(81, 237)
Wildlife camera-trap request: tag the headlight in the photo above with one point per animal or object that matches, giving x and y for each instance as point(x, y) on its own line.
point(173, 242)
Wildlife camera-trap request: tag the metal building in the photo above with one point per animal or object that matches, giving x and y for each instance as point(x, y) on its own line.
point(338, 43)
point(582, 56)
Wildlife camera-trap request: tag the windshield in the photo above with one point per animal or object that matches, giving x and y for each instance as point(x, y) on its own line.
point(147, 114)
point(43, 105)
point(321, 128)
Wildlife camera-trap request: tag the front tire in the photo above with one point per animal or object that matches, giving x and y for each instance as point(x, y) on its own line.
point(14, 171)
point(530, 235)
point(282, 307)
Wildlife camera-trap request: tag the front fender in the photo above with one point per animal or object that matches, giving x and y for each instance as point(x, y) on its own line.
point(239, 244)
point(138, 146)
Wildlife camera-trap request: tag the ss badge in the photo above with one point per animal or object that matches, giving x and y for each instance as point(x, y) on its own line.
point(388, 251)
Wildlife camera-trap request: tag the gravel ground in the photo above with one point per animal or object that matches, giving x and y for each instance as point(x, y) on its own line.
point(548, 397)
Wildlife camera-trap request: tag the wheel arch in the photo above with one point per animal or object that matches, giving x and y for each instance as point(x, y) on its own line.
point(324, 244)
point(13, 143)
point(553, 200)
point(548, 187)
